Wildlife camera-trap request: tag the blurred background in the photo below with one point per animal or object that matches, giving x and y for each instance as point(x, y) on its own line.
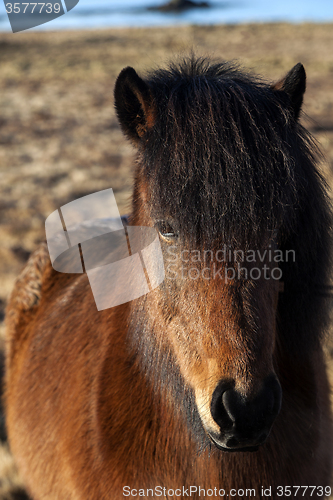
point(90, 14)
point(59, 137)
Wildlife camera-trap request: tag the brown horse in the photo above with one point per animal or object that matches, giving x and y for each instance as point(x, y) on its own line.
point(214, 383)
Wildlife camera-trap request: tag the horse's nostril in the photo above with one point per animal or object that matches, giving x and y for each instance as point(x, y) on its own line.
point(232, 443)
point(217, 408)
point(244, 420)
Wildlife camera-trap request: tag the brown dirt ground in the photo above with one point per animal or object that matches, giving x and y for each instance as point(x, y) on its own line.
point(59, 138)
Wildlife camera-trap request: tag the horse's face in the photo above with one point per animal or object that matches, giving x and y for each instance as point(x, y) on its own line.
point(216, 310)
point(219, 316)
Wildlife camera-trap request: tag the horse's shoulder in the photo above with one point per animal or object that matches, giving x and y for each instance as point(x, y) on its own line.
point(26, 294)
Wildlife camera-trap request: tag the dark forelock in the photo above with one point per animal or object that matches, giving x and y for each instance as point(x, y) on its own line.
point(225, 156)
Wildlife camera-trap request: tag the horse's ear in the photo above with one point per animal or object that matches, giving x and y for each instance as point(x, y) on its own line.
point(294, 85)
point(134, 104)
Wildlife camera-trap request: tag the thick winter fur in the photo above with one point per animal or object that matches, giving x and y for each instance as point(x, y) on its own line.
point(97, 401)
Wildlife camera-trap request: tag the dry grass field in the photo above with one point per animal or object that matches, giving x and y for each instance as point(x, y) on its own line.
point(59, 138)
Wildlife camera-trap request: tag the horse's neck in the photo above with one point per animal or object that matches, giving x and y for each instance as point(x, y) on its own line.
point(135, 414)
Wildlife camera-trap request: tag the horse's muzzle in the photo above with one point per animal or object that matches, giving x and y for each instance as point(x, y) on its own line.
point(245, 423)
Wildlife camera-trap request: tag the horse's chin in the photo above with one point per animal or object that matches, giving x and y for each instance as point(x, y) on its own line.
point(221, 446)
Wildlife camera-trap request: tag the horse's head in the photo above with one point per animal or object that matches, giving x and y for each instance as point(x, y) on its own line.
point(217, 176)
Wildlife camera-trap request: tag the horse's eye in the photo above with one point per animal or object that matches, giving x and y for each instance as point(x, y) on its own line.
point(166, 230)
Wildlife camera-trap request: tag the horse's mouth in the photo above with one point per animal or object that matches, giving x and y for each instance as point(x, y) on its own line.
point(232, 449)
